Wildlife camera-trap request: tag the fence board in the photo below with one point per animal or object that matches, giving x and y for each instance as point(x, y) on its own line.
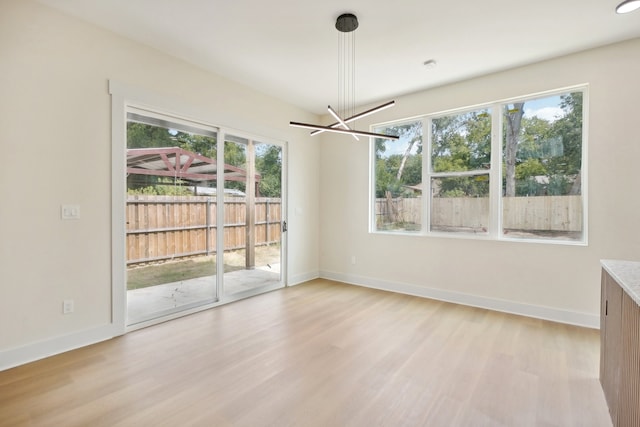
point(542, 213)
point(164, 227)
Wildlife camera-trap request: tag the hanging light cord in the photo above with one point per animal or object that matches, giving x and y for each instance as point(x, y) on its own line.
point(346, 25)
point(346, 73)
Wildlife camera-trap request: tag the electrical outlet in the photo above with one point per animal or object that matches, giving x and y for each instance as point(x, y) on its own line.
point(67, 306)
point(353, 259)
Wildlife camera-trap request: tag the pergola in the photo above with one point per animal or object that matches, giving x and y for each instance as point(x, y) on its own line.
point(184, 165)
point(178, 163)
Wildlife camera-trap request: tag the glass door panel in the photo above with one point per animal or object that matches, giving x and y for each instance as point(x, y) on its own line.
point(253, 216)
point(170, 216)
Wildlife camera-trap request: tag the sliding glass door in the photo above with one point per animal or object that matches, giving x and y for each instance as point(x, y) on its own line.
point(170, 208)
point(196, 237)
point(253, 216)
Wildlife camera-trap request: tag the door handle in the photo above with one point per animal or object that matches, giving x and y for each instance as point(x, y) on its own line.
point(284, 226)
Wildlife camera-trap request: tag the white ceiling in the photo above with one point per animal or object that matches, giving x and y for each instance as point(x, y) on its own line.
point(289, 48)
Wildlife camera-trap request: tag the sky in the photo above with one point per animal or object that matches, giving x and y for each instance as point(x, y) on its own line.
point(547, 108)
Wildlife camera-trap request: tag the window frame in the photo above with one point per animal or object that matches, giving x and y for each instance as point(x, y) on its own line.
point(431, 174)
point(372, 178)
point(495, 173)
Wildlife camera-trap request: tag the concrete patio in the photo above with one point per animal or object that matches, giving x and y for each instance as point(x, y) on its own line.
point(155, 301)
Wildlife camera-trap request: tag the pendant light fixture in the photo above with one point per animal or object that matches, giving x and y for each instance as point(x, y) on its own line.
point(346, 24)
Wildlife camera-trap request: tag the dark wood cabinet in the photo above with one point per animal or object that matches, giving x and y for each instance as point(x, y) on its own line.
point(620, 352)
point(611, 342)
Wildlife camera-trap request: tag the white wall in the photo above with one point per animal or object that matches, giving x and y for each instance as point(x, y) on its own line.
point(55, 143)
point(55, 124)
point(549, 281)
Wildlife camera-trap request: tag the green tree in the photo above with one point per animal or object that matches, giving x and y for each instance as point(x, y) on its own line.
point(558, 185)
point(386, 176)
point(513, 121)
point(397, 171)
point(532, 142)
point(447, 155)
point(160, 189)
point(528, 186)
point(269, 166)
point(384, 179)
point(464, 186)
point(462, 142)
point(530, 168)
point(141, 135)
point(200, 144)
point(412, 174)
point(540, 147)
point(569, 130)
point(235, 154)
point(412, 134)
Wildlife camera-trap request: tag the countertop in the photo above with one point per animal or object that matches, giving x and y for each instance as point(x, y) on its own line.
point(627, 274)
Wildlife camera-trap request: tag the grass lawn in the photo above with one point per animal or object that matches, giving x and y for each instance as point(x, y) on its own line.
point(202, 266)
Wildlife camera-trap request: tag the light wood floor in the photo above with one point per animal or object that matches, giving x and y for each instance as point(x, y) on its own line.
point(321, 354)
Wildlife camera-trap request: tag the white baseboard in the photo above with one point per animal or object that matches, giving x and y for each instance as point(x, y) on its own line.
point(301, 278)
point(39, 350)
point(61, 344)
point(539, 312)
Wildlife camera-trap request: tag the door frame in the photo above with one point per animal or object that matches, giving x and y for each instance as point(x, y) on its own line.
point(223, 132)
point(123, 96)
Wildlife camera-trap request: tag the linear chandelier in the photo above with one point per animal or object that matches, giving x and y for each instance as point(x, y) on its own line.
point(346, 25)
point(628, 6)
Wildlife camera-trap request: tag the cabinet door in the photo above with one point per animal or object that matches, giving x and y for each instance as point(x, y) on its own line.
point(629, 398)
point(611, 342)
point(603, 323)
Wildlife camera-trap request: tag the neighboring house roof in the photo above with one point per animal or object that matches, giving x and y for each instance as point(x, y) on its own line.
point(417, 187)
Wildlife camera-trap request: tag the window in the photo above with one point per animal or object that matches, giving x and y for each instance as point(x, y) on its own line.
point(398, 178)
point(542, 162)
point(459, 172)
point(506, 170)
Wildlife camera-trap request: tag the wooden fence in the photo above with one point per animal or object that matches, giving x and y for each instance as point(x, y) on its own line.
point(166, 227)
point(542, 213)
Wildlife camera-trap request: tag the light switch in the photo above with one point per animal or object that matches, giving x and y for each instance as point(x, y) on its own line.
point(70, 212)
